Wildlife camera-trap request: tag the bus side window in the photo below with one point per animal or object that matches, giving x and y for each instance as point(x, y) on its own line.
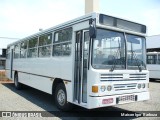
point(8, 53)
point(17, 51)
point(44, 48)
point(158, 61)
point(32, 47)
point(151, 59)
point(62, 42)
point(66, 48)
point(57, 50)
point(23, 50)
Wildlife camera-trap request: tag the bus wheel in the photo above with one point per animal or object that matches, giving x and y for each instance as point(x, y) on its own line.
point(61, 98)
point(17, 85)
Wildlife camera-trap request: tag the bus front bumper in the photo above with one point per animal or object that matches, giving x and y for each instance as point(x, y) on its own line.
point(103, 101)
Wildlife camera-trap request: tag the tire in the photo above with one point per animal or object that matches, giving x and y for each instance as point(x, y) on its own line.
point(61, 98)
point(17, 85)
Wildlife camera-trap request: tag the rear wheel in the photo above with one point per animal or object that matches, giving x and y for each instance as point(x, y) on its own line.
point(17, 85)
point(61, 98)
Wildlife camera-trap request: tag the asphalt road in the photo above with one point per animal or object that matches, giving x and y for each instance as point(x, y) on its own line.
point(30, 99)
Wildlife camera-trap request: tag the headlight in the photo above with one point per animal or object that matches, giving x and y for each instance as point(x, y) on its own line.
point(109, 87)
point(139, 86)
point(103, 88)
point(143, 85)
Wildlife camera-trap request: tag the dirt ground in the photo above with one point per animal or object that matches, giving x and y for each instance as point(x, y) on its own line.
point(3, 78)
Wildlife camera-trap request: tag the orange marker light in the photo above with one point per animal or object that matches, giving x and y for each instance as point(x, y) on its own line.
point(95, 89)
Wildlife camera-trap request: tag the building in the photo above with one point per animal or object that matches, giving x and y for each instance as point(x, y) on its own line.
point(2, 59)
point(153, 43)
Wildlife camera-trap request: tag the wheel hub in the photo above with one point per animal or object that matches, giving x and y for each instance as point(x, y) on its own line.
point(61, 97)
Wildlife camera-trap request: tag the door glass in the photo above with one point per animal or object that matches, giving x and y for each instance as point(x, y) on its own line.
point(85, 57)
point(78, 68)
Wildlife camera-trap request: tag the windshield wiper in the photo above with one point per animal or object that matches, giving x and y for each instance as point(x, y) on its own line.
point(114, 64)
point(137, 61)
point(115, 60)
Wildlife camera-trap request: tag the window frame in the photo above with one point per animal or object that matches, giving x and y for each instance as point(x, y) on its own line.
point(153, 59)
point(25, 41)
point(17, 51)
point(62, 42)
point(45, 45)
point(32, 48)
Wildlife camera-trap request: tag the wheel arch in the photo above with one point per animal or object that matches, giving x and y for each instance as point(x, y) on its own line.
point(55, 83)
point(56, 86)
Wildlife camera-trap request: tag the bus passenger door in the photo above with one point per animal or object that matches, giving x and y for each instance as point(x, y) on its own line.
point(81, 60)
point(85, 65)
point(11, 63)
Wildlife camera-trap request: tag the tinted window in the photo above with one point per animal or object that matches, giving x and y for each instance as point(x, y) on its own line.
point(151, 59)
point(23, 51)
point(158, 62)
point(108, 49)
point(124, 24)
point(17, 51)
point(62, 42)
point(63, 35)
point(8, 53)
point(45, 39)
point(32, 53)
point(33, 43)
point(44, 51)
point(57, 50)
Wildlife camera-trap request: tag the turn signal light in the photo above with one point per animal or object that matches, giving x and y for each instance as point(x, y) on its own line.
point(95, 89)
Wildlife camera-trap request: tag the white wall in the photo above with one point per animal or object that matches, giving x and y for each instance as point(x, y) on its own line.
point(153, 41)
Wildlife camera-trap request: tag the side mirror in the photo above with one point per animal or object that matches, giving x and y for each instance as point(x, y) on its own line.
point(92, 31)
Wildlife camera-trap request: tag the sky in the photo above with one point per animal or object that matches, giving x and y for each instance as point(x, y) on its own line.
point(20, 18)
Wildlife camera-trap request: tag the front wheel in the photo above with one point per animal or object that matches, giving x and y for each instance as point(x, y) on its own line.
point(61, 98)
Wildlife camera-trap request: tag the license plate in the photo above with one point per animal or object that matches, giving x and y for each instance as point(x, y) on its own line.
point(127, 98)
point(107, 101)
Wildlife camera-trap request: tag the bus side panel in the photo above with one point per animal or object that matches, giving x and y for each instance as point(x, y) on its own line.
point(40, 73)
point(154, 70)
point(69, 91)
point(7, 69)
point(41, 83)
point(154, 74)
point(24, 78)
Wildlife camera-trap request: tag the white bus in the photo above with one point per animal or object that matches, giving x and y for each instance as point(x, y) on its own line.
point(93, 61)
point(153, 64)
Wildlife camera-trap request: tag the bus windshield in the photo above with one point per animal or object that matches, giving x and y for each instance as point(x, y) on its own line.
point(135, 51)
point(109, 51)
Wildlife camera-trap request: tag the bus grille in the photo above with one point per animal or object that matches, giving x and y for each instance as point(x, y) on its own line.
point(129, 86)
point(122, 77)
